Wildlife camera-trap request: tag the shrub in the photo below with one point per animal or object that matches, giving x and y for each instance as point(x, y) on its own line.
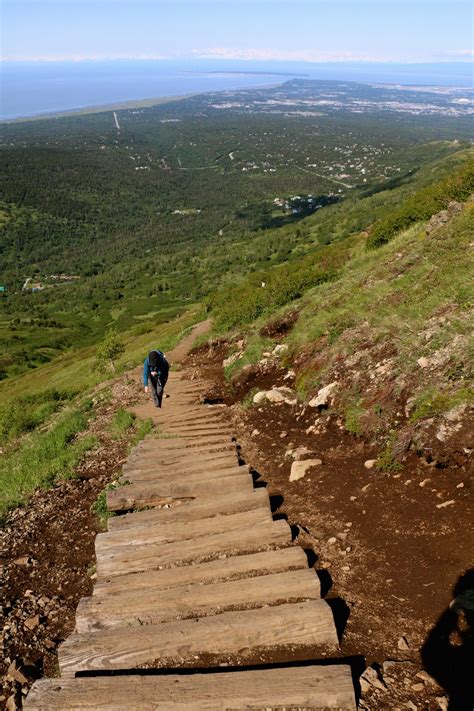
point(423, 204)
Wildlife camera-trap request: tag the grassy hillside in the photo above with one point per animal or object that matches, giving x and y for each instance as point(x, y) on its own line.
point(46, 413)
point(391, 325)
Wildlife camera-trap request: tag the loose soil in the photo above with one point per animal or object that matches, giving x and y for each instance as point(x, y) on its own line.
point(389, 558)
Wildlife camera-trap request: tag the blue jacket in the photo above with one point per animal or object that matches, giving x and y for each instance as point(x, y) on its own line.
point(162, 374)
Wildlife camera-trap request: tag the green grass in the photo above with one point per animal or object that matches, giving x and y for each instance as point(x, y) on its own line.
point(122, 422)
point(29, 412)
point(44, 457)
point(255, 346)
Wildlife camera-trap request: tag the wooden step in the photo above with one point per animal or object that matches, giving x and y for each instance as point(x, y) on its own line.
point(183, 474)
point(226, 568)
point(312, 687)
point(132, 608)
point(149, 494)
point(120, 561)
point(167, 532)
point(299, 630)
point(178, 445)
point(209, 468)
point(194, 509)
point(170, 461)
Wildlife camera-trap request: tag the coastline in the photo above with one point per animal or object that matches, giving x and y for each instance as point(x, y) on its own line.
point(129, 104)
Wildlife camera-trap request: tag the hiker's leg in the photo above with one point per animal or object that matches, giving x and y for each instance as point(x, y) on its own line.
point(154, 395)
point(159, 392)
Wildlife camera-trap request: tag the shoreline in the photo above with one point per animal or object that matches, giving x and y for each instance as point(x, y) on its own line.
point(144, 103)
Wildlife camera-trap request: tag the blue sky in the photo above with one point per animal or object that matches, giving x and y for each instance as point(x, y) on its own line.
point(304, 30)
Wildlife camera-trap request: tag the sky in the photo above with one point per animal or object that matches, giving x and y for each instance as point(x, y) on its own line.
point(288, 30)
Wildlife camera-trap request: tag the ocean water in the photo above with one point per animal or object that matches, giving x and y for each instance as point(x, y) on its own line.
point(30, 89)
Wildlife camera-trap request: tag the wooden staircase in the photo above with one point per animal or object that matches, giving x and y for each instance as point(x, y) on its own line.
point(197, 587)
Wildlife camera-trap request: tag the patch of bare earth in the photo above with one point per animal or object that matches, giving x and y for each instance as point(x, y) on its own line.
point(393, 549)
point(47, 557)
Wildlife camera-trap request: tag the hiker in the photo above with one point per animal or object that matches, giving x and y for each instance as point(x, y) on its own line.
point(155, 375)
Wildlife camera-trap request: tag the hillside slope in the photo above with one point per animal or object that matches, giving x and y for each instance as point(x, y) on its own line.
point(369, 376)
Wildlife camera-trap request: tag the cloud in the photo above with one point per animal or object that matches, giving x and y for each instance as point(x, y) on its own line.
point(255, 54)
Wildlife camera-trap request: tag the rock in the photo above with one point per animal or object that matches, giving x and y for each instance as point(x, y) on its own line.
point(15, 674)
point(370, 463)
point(283, 435)
point(24, 560)
point(259, 397)
point(410, 705)
point(241, 344)
point(332, 540)
point(402, 644)
point(282, 394)
point(443, 703)
point(280, 349)
point(231, 359)
point(423, 362)
point(323, 397)
point(32, 622)
point(12, 704)
point(370, 679)
point(255, 433)
point(417, 687)
point(290, 375)
point(427, 678)
point(300, 452)
point(300, 468)
point(444, 504)
point(274, 396)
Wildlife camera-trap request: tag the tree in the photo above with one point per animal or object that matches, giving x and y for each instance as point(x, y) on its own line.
point(109, 350)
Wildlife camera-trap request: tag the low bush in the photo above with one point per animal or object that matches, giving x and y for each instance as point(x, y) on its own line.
point(423, 204)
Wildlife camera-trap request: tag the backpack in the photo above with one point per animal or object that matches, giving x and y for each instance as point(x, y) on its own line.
point(163, 365)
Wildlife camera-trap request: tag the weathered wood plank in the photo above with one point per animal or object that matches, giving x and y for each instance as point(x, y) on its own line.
point(306, 627)
point(168, 532)
point(198, 472)
point(190, 510)
point(132, 608)
point(227, 568)
point(150, 494)
point(324, 688)
point(119, 561)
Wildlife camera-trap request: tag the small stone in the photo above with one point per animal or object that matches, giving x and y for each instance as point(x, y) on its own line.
point(11, 704)
point(259, 397)
point(15, 674)
point(332, 540)
point(32, 622)
point(255, 433)
point(370, 463)
point(322, 398)
point(427, 678)
point(24, 560)
point(369, 679)
point(423, 362)
point(443, 703)
point(417, 687)
point(353, 498)
point(410, 705)
point(402, 644)
point(283, 435)
point(445, 503)
point(460, 485)
point(299, 469)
